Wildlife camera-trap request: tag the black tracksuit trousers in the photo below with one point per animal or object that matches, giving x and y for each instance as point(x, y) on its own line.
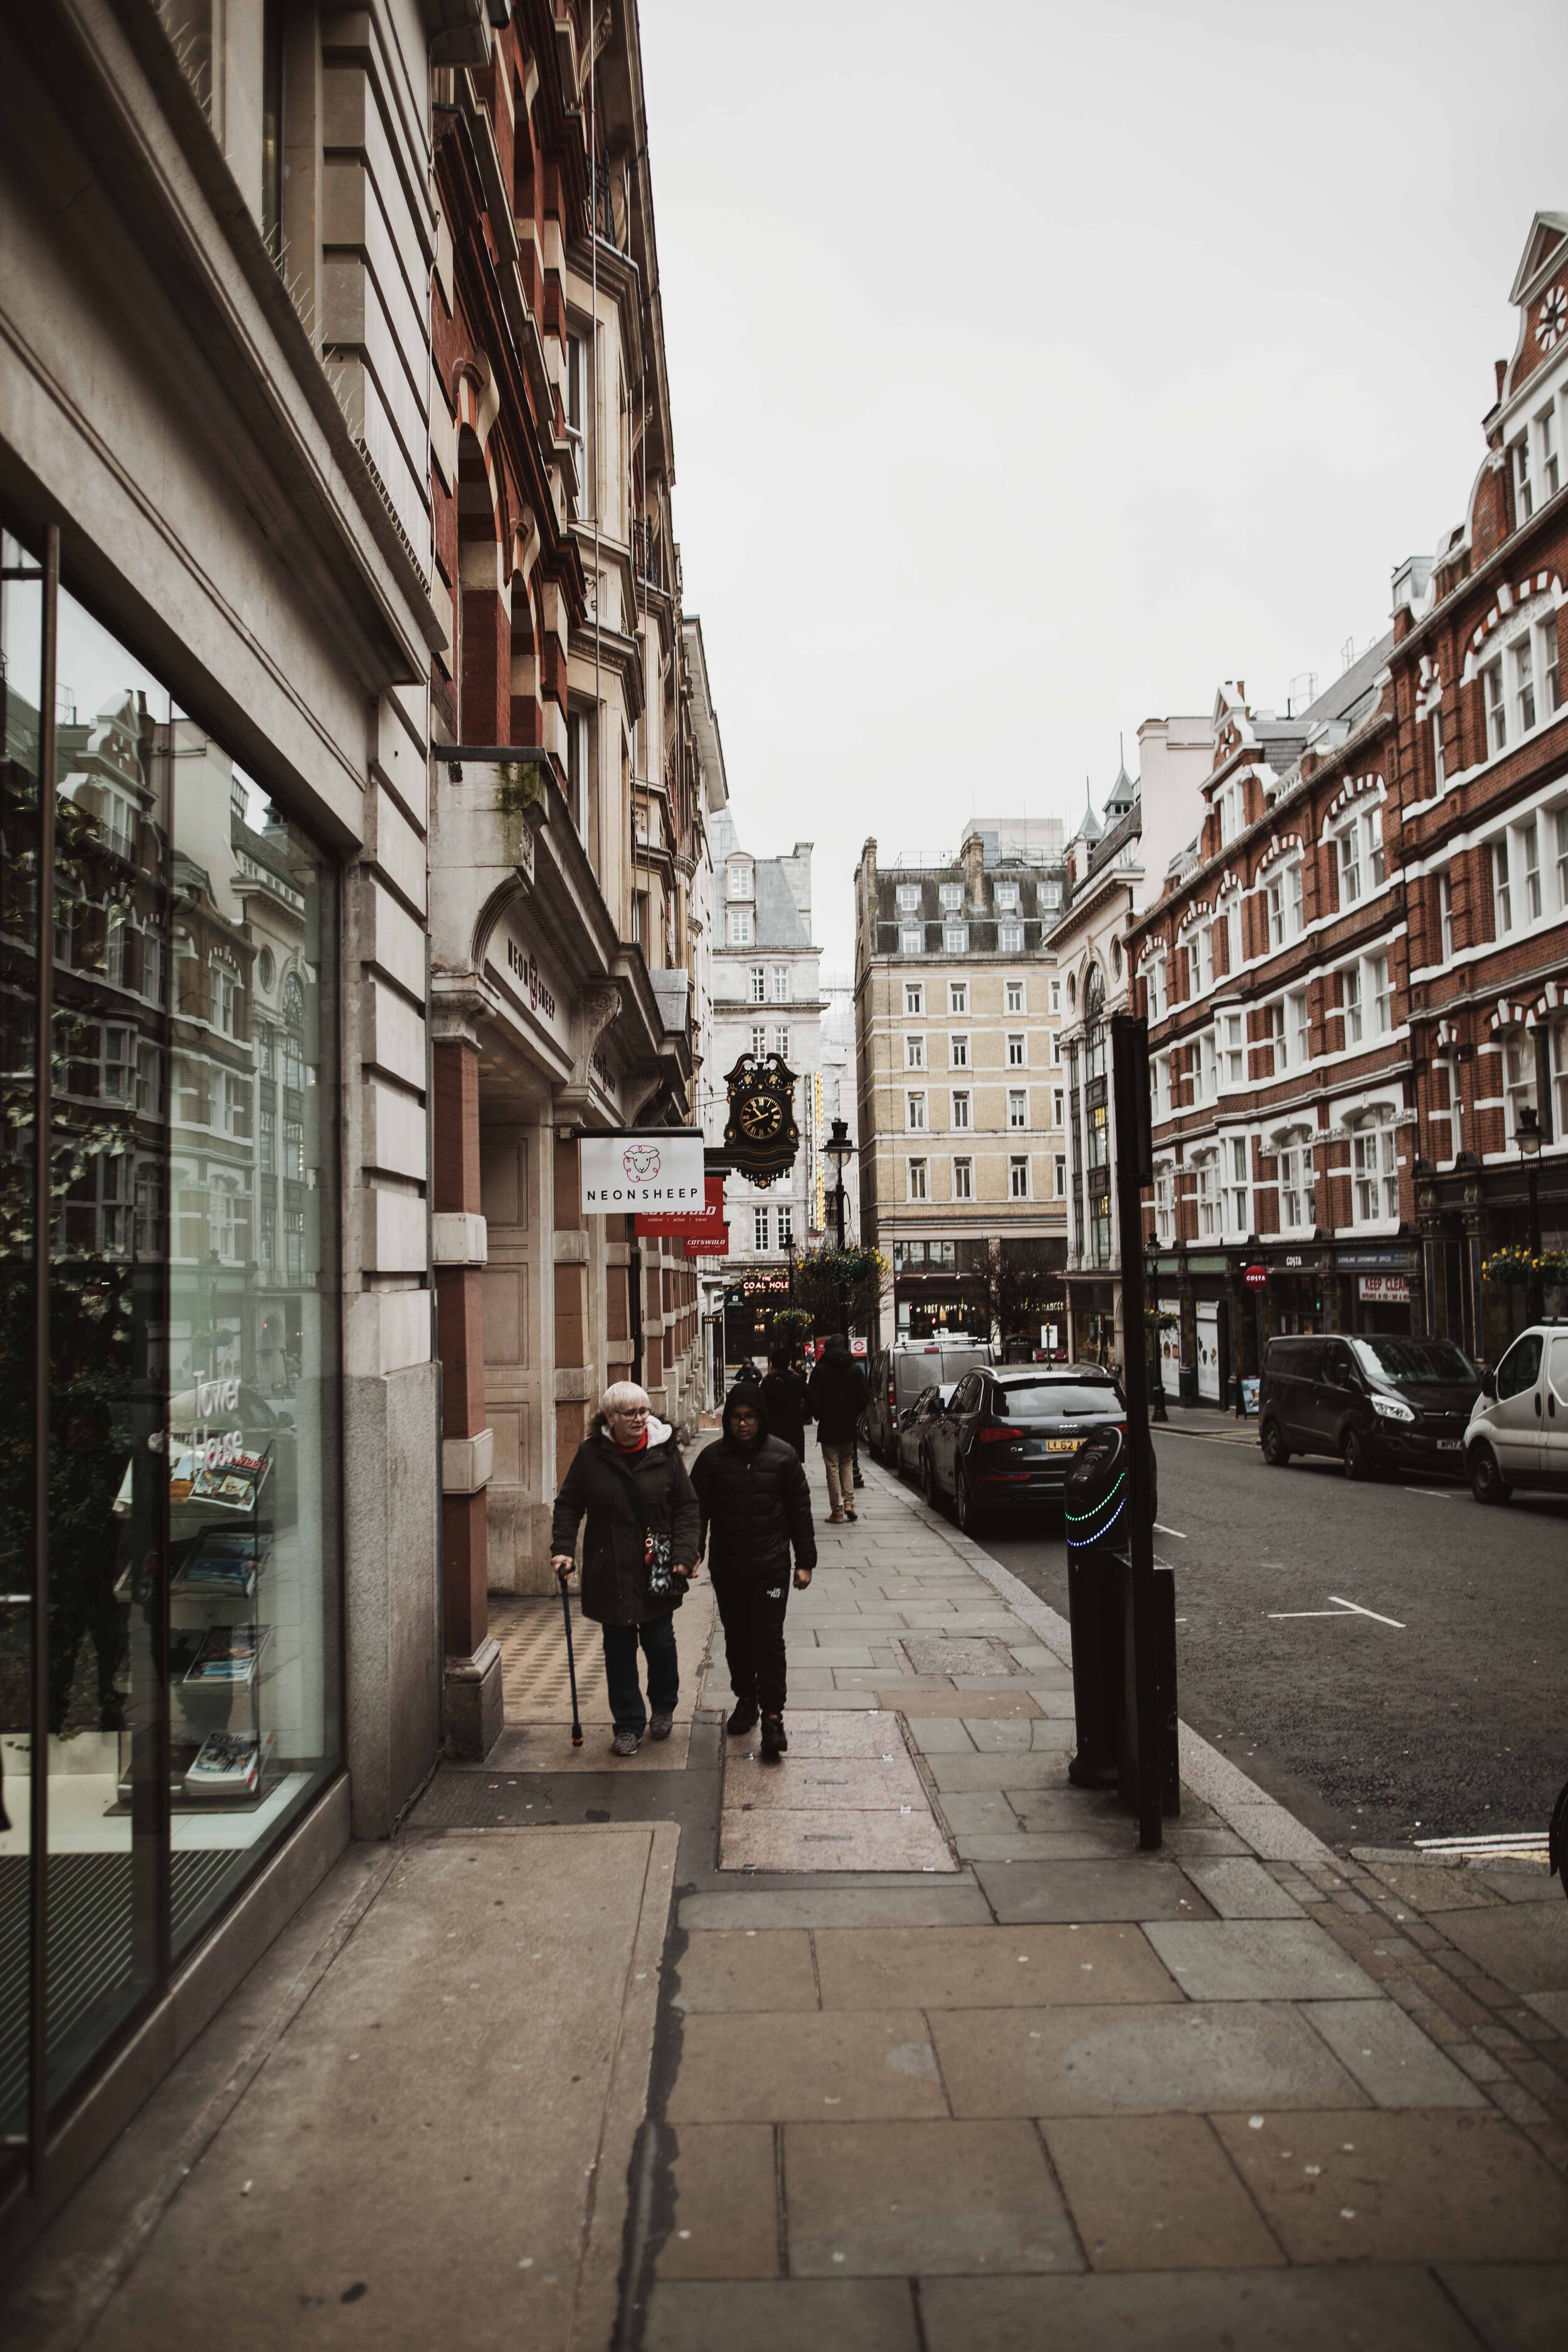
point(752, 1611)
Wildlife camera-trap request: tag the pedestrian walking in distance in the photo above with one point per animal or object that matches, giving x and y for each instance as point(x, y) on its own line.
point(756, 1510)
point(640, 1548)
point(783, 1398)
point(836, 1393)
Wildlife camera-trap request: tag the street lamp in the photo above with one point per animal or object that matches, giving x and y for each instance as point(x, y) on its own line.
point(1152, 1292)
point(1527, 1135)
point(838, 1148)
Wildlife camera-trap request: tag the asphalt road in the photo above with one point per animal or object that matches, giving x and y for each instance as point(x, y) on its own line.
point(1451, 1722)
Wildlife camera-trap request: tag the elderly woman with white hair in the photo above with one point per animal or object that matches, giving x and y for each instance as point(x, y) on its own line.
point(641, 1546)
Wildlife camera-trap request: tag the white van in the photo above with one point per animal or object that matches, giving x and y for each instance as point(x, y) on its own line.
point(900, 1374)
point(1517, 1434)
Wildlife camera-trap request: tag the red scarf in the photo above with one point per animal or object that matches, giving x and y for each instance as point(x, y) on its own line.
point(636, 1445)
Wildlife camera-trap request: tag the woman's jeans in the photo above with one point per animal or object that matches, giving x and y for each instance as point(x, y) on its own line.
point(622, 1679)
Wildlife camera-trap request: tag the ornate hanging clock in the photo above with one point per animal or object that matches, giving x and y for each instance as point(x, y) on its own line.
point(760, 1138)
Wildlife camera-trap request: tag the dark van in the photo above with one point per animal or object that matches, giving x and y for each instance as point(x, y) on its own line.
point(1376, 1403)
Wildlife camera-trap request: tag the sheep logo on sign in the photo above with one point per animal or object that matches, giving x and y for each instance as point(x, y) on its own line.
point(641, 1163)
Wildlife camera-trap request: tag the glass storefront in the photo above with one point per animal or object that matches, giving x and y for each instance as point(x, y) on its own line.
point(170, 1588)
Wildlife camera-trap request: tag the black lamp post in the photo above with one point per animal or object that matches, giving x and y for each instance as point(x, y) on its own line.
point(838, 1148)
point(1527, 1135)
point(1157, 1365)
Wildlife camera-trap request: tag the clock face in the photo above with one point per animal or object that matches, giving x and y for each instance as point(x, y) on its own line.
point(761, 1117)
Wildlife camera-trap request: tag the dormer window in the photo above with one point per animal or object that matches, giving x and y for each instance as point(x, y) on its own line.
point(1546, 450)
point(1050, 897)
point(951, 896)
point(1006, 898)
point(909, 897)
point(1231, 804)
point(739, 882)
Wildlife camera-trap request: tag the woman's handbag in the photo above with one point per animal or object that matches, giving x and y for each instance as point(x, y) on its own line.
point(658, 1569)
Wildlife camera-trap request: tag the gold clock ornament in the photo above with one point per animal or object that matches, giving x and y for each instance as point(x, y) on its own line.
point(760, 1138)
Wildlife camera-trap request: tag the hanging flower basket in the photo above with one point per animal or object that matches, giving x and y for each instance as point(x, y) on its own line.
point(1518, 1265)
point(1160, 1318)
point(843, 1265)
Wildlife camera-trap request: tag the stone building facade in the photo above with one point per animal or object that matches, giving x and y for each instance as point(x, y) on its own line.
point(1357, 976)
point(1113, 862)
point(766, 999)
point(958, 1010)
point(220, 612)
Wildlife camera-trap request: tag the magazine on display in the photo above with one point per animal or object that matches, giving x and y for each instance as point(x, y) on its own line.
point(223, 1559)
point(229, 1654)
point(230, 1764)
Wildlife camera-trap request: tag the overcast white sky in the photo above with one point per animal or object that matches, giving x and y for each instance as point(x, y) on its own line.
point(1035, 367)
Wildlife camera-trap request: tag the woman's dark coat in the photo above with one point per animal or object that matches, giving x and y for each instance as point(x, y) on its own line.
point(783, 1396)
point(754, 1501)
point(621, 1495)
point(837, 1391)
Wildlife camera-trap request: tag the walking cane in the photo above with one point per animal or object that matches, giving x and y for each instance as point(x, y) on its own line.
point(570, 1662)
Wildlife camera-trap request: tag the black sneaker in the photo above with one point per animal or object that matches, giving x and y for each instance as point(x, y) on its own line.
point(773, 1740)
point(742, 1719)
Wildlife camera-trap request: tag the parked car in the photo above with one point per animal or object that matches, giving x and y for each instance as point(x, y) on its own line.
point(1375, 1401)
point(1006, 1437)
point(915, 1419)
point(1518, 1433)
point(899, 1373)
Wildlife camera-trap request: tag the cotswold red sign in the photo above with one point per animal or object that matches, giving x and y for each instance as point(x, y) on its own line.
point(703, 1226)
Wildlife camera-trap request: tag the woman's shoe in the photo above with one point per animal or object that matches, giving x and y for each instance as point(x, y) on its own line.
point(773, 1740)
point(625, 1743)
point(743, 1718)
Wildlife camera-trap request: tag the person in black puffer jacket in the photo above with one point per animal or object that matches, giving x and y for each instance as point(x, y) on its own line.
point(642, 1544)
point(783, 1398)
point(837, 1394)
point(756, 1509)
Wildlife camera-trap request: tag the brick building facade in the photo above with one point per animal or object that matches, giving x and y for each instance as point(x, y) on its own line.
point(568, 820)
point(1356, 978)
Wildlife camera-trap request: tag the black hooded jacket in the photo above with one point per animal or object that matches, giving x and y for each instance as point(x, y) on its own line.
point(754, 1500)
point(783, 1396)
point(838, 1390)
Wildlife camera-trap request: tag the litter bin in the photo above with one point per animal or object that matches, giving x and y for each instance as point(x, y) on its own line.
point(1095, 1500)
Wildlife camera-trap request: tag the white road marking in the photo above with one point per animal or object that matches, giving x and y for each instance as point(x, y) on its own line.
point(1439, 1494)
point(1396, 1623)
point(1533, 1841)
point(1342, 1609)
point(1160, 1529)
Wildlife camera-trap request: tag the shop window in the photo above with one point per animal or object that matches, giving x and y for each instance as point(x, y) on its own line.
point(189, 1543)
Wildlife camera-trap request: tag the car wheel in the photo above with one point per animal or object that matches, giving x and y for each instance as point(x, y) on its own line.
point(1488, 1484)
point(1276, 1453)
point(892, 1457)
point(1354, 1456)
point(928, 1481)
point(971, 1518)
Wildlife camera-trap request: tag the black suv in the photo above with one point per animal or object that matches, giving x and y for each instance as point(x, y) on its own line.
point(1374, 1401)
point(1006, 1437)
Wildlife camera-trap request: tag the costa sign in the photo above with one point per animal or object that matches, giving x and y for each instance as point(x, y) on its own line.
point(652, 1171)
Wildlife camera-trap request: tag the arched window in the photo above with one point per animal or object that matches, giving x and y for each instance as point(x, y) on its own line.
point(1094, 993)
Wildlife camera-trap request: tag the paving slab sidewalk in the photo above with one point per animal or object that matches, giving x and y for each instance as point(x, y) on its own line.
point(1141, 2100)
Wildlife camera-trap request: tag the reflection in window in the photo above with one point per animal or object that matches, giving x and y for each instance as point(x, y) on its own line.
point(191, 1343)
